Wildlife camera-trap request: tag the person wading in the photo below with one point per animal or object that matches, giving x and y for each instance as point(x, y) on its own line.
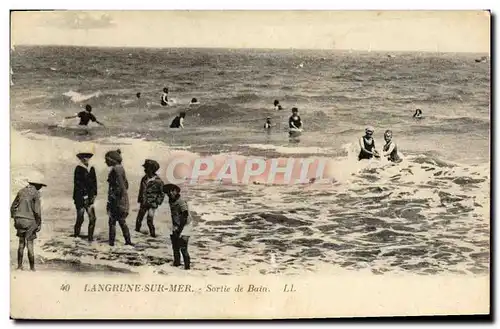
point(84, 194)
point(118, 203)
point(150, 197)
point(27, 214)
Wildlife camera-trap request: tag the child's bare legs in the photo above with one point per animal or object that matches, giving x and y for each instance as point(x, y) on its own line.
point(150, 218)
point(31, 254)
point(20, 253)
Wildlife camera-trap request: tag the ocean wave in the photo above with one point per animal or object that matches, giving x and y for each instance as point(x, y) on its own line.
point(424, 215)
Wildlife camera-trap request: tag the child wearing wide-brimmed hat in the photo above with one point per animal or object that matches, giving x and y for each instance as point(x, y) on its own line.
point(151, 195)
point(27, 215)
point(84, 194)
point(182, 226)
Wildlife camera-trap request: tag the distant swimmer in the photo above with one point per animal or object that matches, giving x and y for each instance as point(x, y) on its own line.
point(268, 124)
point(178, 121)
point(390, 149)
point(295, 122)
point(277, 106)
point(418, 114)
point(85, 116)
point(194, 101)
point(138, 95)
point(164, 97)
point(367, 144)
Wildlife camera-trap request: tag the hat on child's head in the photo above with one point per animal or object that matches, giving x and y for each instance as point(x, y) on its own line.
point(36, 179)
point(171, 187)
point(115, 156)
point(151, 164)
point(84, 155)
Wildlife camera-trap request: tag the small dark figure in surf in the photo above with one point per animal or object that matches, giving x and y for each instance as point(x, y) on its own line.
point(150, 197)
point(164, 97)
point(85, 116)
point(118, 203)
point(182, 226)
point(418, 114)
point(277, 105)
point(194, 101)
point(84, 194)
point(27, 215)
point(295, 122)
point(390, 149)
point(178, 121)
point(138, 95)
point(367, 144)
point(268, 124)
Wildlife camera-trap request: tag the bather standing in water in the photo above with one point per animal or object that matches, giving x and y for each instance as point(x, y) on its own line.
point(390, 149)
point(367, 145)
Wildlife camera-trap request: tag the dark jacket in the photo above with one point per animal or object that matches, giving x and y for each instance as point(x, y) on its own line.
point(85, 184)
point(118, 203)
point(151, 192)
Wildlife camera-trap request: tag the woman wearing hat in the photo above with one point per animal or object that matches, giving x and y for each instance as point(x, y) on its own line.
point(118, 203)
point(150, 197)
point(27, 215)
point(84, 194)
point(367, 145)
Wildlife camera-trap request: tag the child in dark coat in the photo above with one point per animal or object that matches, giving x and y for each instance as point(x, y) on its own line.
point(182, 226)
point(84, 194)
point(118, 203)
point(150, 197)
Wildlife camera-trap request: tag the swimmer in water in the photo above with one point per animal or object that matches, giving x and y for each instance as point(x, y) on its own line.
point(295, 122)
point(85, 116)
point(138, 95)
point(390, 149)
point(367, 144)
point(268, 124)
point(178, 121)
point(164, 97)
point(418, 114)
point(194, 101)
point(277, 106)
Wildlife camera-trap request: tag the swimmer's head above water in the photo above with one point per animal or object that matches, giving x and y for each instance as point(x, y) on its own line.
point(388, 135)
point(165, 90)
point(418, 113)
point(138, 95)
point(369, 131)
point(276, 102)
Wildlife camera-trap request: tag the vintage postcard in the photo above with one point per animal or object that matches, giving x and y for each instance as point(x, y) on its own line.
point(249, 164)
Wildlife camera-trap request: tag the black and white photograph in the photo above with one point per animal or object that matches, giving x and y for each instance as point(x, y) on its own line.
point(273, 145)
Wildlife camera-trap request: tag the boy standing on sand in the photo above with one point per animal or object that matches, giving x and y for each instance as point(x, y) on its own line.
point(118, 204)
point(150, 197)
point(27, 215)
point(181, 225)
point(84, 194)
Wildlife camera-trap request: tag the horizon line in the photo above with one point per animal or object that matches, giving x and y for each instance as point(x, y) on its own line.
point(254, 48)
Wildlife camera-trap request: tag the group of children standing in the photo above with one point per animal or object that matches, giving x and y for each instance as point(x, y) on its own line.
point(26, 207)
